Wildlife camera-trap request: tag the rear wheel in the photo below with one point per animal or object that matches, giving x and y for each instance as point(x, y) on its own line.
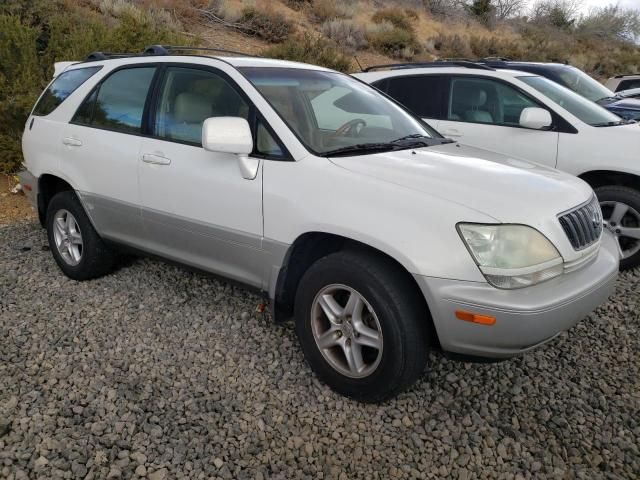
point(361, 325)
point(621, 213)
point(76, 246)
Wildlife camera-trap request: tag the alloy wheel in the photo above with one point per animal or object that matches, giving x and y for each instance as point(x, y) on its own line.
point(347, 331)
point(67, 237)
point(624, 222)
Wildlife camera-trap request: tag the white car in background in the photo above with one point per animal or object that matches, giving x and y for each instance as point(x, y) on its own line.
point(530, 117)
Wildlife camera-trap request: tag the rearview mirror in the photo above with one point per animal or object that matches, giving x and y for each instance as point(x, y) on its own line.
point(231, 135)
point(535, 118)
point(227, 135)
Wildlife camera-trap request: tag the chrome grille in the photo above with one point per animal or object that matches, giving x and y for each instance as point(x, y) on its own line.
point(583, 225)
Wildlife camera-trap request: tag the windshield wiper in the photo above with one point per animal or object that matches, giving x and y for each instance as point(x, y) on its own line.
point(421, 140)
point(361, 148)
point(611, 124)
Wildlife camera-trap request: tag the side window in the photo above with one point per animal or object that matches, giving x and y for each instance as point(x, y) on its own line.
point(479, 100)
point(118, 102)
point(63, 86)
point(422, 95)
point(188, 97)
point(266, 144)
point(628, 84)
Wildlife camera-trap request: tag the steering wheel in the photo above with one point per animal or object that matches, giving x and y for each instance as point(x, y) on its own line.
point(350, 129)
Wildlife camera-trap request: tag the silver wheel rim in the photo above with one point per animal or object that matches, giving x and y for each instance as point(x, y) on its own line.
point(347, 331)
point(624, 222)
point(67, 236)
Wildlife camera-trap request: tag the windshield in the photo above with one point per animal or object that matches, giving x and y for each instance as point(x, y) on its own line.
point(580, 107)
point(331, 112)
point(583, 84)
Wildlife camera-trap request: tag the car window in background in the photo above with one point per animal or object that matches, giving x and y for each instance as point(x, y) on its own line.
point(481, 100)
point(328, 110)
point(63, 86)
point(188, 97)
point(583, 84)
point(422, 95)
point(582, 108)
point(628, 85)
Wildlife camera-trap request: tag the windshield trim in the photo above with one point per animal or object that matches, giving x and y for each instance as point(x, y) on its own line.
point(242, 70)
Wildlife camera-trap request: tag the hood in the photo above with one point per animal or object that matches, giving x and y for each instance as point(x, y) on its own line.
point(626, 104)
point(507, 189)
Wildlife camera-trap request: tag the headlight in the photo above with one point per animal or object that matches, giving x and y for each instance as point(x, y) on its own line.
point(511, 256)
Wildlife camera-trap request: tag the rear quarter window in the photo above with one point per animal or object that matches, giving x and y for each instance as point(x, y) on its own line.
point(60, 89)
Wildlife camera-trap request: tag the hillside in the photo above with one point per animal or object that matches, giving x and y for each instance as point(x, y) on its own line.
point(338, 34)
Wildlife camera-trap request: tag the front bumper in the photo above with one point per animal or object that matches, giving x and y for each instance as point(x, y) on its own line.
point(525, 318)
point(29, 186)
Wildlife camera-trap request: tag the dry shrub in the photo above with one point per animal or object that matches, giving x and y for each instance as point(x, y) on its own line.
point(324, 10)
point(297, 5)
point(345, 33)
point(395, 16)
point(451, 46)
point(310, 49)
point(270, 26)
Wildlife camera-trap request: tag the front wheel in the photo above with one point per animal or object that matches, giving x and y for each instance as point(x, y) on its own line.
point(621, 213)
point(361, 325)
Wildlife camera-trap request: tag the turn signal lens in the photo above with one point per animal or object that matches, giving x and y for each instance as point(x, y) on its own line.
point(475, 318)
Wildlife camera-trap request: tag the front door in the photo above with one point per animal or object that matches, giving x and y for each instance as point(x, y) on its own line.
point(196, 206)
point(485, 113)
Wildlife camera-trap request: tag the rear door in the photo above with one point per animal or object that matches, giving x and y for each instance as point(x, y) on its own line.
point(101, 149)
point(485, 112)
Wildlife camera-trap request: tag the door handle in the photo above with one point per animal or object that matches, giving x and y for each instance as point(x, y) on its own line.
point(154, 159)
point(451, 132)
point(72, 142)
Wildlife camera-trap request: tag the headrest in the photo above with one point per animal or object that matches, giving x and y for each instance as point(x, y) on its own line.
point(471, 96)
point(191, 108)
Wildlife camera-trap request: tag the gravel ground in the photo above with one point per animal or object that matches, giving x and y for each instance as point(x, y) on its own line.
point(158, 372)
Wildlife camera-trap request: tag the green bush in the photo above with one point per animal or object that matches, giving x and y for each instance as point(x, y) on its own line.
point(392, 34)
point(393, 41)
point(310, 49)
point(35, 35)
point(273, 27)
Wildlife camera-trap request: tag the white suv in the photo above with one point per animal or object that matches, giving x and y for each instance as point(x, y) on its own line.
point(531, 117)
point(381, 237)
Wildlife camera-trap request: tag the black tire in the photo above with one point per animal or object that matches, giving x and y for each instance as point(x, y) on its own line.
point(96, 258)
point(400, 310)
point(630, 197)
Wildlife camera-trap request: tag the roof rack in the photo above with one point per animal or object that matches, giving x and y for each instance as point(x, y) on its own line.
point(495, 59)
point(158, 50)
point(436, 63)
point(169, 49)
point(96, 56)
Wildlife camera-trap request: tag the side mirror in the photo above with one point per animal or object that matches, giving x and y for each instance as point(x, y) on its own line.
point(231, 135)
point(227, 135)
point(535, 118)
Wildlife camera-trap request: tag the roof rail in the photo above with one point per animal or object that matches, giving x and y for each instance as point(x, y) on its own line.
point(627, 75)
point(495, 59)
point(158, 50)
point(436, 63)
point(96, 56)
point(169, 49)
